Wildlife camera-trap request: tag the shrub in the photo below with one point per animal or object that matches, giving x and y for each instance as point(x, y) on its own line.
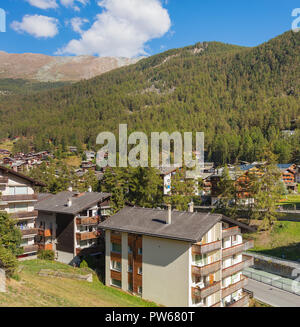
point(84, 264)
point(46, 255)
point(8, 260)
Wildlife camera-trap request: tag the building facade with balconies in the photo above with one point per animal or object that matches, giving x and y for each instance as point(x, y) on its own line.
point(17, 198)
point(177, 258)
point(68, 224)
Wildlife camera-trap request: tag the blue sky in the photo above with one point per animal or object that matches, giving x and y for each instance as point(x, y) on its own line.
point(138, 27)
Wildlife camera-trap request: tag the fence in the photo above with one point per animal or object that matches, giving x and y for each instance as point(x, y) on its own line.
point(290, 286)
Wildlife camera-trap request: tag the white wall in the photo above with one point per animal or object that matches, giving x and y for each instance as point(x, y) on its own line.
point(166, 271)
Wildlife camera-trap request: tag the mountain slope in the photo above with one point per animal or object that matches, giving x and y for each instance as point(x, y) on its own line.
point(240, 97)
point(29, 66)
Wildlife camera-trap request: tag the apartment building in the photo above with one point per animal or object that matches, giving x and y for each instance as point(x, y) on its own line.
point(68, 224)
point(17, 198)
point(177, 258)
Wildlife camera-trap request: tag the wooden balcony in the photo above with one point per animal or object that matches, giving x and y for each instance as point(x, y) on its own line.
point(206, 270)
point(247, 262)
point(3, 180)
point(231, 232)
point(217, 305)
point(45, 232)
point(86, 236)
point(30, 249)
point(47, 247)
point(19, 198)
point(87, 221)
point(25, 215)
point(30, 231)
point(202, 293)
point(243, 302)
point(238, 248)
point(235, 287)
point(205, 248)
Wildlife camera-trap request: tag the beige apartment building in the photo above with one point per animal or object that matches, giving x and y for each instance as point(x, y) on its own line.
point(17, 198)
point(179, 259)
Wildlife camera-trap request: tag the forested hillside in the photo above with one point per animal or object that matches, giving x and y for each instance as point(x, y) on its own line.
point(240, 97)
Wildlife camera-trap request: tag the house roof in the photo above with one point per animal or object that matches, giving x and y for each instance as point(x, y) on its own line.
point(284, 166)
point(58, 203)
point(185, 226)
point(12, 172)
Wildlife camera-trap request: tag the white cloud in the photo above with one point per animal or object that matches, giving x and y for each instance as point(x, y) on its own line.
point(71, 3)
point(77, 23)
point(122, 29)
point(36, 25)
point(43, 4)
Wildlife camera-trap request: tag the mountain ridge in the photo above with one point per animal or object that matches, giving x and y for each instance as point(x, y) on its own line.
point(44, 68)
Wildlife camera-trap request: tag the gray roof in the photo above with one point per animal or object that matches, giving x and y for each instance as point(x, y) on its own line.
point(58, 203)
point(185, 226)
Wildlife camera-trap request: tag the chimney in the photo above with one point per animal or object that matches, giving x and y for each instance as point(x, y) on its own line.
point(70, 189)
point(191, 206)
point(169, 219)
point(69, 204)
point(90, 190)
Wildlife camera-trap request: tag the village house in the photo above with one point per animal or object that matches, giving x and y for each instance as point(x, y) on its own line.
point(174, 258)
point(17, 198)
point(68, 224)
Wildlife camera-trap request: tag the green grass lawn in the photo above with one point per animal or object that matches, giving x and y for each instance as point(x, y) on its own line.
point(282, 242)
point(291, 199)
point(34, 291)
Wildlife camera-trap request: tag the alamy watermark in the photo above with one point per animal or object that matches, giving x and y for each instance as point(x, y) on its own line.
point(2, 281)
point(2, 21)
point(296, 21)
point(140, 147)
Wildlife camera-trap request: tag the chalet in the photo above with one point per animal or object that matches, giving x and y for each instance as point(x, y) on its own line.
point(289, 172)
point(167, 173)
point(177, 259)
point(68, 224)
point(17, 198)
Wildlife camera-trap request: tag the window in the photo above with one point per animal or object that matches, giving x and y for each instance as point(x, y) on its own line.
point(140, 271)
point(140, 251)
point(116, 283)
point(140, 290)
point(116, 248)
point(116, 265)
point(130, 268)
point(130, 287)
point(18, 190)
point(129, 249)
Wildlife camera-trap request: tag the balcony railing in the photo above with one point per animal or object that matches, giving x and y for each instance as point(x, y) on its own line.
point(231, 232)
point(86, 236)
point(247, 262)
point(238, 248)
point(19, 198)
point(202, 293)
point(206, 270)
point(235, 287)
point(3, 180)
point(30, 249)
point(25, 215)
point(205, 248)
point(243, 302)
point(29, 231)
point(85, 221)
point(45, 232)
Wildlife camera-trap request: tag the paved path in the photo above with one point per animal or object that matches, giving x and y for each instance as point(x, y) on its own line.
point(272, 295)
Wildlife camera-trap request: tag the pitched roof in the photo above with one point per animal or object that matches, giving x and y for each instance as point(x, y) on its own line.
point(185, 226)
point(58, 203)
point(31, 180)
point(284, 166)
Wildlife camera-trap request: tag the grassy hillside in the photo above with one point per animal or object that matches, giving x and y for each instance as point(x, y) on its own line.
point(282, 242)
point(240, 97)
point(34, 291)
